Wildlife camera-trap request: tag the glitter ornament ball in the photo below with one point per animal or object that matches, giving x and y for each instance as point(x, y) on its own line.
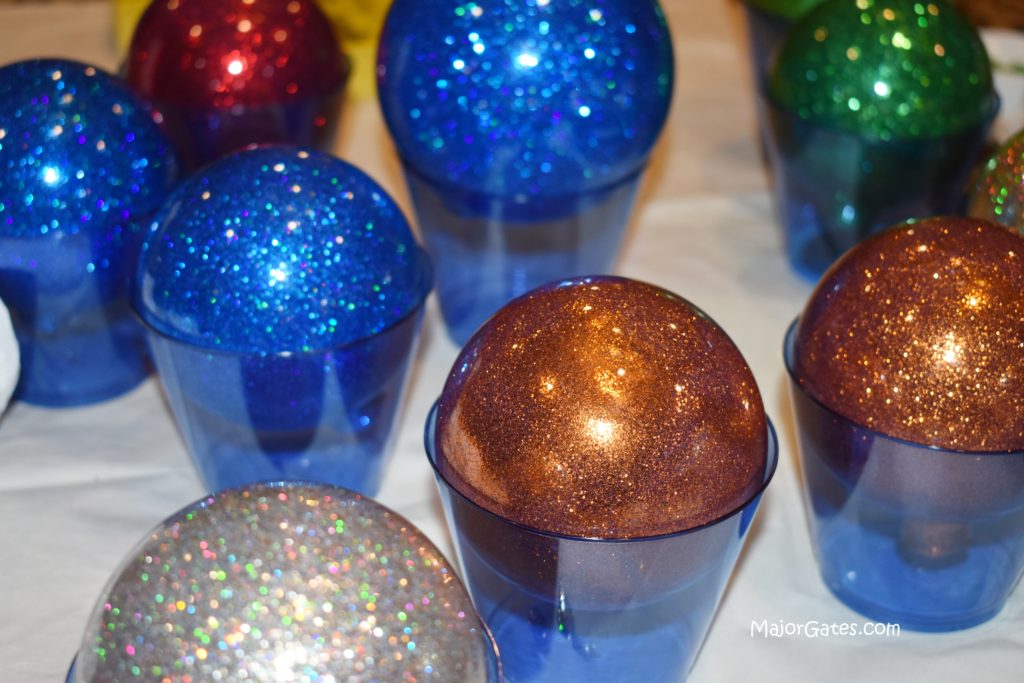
point(284, 293)
point(600, 448)
point(876, 112)
point(524, 128)
point(602, 407)
point(916, 334)
point(285, 582)
point(999, 193)
point(230, 73)
point(888, 69)
point(82, 166)
point(906, 372)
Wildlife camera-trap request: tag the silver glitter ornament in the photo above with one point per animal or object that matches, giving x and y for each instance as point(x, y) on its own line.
point(286, 582)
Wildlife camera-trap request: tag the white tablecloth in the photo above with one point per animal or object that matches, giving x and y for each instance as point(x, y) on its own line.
point(79, 487)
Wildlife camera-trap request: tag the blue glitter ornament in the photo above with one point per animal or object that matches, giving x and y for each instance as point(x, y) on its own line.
point(524, 126)
point(82, 166)
point(284, 292)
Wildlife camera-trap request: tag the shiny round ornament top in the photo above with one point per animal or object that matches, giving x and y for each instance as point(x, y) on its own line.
point(999, 193)
point(79, 153)
point(525, 98)
point(279, 249)
point(917, 333)
point(199, 53)
point(885, 69)
point(602, 407)
point(789, 9)
point(285, 583)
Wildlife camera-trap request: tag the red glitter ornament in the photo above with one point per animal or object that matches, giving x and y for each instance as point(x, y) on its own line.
point(230, 73)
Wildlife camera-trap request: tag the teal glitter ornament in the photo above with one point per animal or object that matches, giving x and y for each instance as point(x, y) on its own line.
point(999, 192)
point(890, 69)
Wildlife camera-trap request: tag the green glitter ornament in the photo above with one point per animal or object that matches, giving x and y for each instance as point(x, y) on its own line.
point(999, 193)
point(885, 69)
point(789, 9)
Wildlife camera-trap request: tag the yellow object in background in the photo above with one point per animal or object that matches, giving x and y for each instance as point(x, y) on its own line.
point(126, 15)
point(357, 22)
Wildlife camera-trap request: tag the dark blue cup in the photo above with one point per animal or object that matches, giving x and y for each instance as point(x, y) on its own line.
point(321, 415)
point(83, 167)
point(68, 301)
point(489, 250)
point(929, 538)
point(565, 608)
point(833, 188)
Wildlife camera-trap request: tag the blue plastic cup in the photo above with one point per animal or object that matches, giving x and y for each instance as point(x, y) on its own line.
point(929, 538)
point(765, 33)
point(564, 608)
point(833, 188)
point(68, 299)
point(323, 415)
point(489, 250)
point(83, 166)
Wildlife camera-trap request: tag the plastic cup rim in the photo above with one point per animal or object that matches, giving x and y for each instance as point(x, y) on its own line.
point(994, 105)
point(427, 285)
point(771, 466)
point(447, 186)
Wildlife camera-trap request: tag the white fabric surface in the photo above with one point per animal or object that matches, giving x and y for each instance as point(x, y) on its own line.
point(10, 363)
point(79, 487)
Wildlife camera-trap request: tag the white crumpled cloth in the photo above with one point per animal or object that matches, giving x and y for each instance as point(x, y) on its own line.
point(79, 487)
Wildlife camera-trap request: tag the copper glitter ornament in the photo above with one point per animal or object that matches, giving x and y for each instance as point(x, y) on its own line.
point(917, 333)
point(602, 407)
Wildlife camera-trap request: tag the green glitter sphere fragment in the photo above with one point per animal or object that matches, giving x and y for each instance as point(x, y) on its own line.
point(788, 9)
point(885, 69)
point(999, 193)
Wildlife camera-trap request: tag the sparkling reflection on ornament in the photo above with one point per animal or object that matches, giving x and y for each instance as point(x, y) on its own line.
point(602, 407)
point(234, 52)
point(285, 583)
point(79, 151)
point(83, 165)
point(523, 97)
point(231, 73)
point(279, 249)
point(887, 69)
point(999, 193)
point(916, 333)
